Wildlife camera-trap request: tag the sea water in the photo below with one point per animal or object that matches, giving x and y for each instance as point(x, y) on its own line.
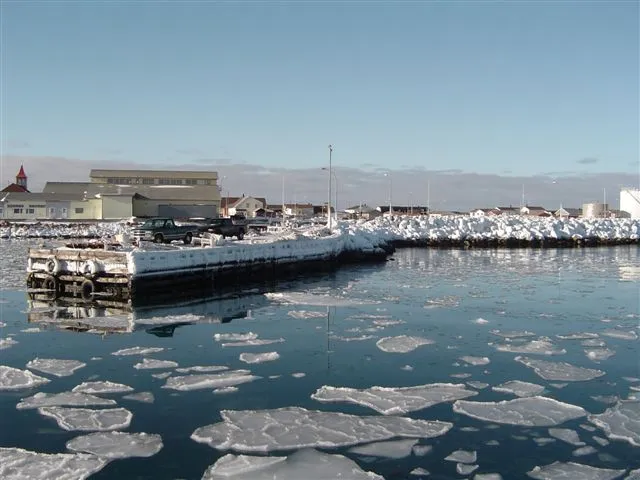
point(425, 317)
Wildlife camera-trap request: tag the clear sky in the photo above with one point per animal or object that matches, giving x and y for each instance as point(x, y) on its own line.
point(517, 88)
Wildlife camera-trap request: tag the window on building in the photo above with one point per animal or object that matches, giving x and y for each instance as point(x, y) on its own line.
point(17, 211)
point(202, 181)
point(148, 181)
point(191, 181)
point(79, 210)
point(31, 211)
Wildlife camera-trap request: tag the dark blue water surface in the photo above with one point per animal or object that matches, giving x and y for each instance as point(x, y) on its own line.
point(437, 293)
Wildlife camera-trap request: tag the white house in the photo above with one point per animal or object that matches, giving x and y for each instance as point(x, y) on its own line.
point(630, 201)
point(246, 206)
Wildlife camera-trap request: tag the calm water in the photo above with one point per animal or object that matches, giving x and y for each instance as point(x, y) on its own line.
point(437, 294)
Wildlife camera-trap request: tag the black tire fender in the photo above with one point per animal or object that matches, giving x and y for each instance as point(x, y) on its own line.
point(52, 284)
point(87, 289)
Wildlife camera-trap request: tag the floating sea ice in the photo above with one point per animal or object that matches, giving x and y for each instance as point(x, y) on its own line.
point(620, 334)
point(588, 428)
point(300, 314)
point(478, 385)
point(235, 337)
point(462, 456)
point(421, 450)
point(402, 343)
point(519, 388)
point(298, 374)
point(7, 342)
point(210, 380)
point(117, 445)
point(570, 470)
point(19, 464)
point(593, 343)
point(296, 427)
point(475, 360)
point(253, 343)
point(566, 435)
point(607, 399)
point(419, 472)
point(63, 399)
point(391, 449)
point(138, 351)
point(102, 387)
point(31, 330)
point(388, 323)
point(223, 390)
point(559, 371)
point(259, 357)
point(633, 475)
point(314, 299)
point(487, 476)
point(530, 411)
point(480, 321)
point(450, 301)
point(202, 369)
point(541, 346)
point(513, 334)
point(161, 376)
point(603, 442)
point(578, 336)
point(354, 339)
point(170, 319)
point(53, 366)
point(152, 363)
point(620, 422)
point(460, 375)
point(464, 469)
point(86, 419)
point(16, 379)
point(584, 451)
point(599, 354)
point(144, 397)
point(306, 463)
point(493, 443)
point(543, 440)
point(394, 400)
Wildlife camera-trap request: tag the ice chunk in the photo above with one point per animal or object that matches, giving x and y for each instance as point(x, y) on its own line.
point(578, 336)
point(152, 364)
point(259, 357)
point(599, 354)
point(391, 449)
point(560, 371)
point(402, 343)
point(102, 387)
point(608, 399)
point(603, 442)
point(305, 464)
point(480, 321)
point(419, 472)
point(475, 360)
point(487, 476)
point(16, 379)
point(421, 450)
point(621, 334)
point(462, 456)
point(584, 451)
point(161, 376)
point(620, 422)
point(202, 369)
point(235, 337)
point(543, 440)
point(296, 427)
point(70, 399)
point(114, 445)
point(253, 343)
point(86, 419)
point(54, 366)
point(570, 470)
point(566, 435)
point(395, 400)
point(513, 334)
point(388, 322)
point(138, 351)
point(633, 475)
point(298, 374)
point(210, 380)
point(314, 299)
point(464, 469)
point(353, 339)
point(31, 330)
point(519, 388)
point(478, 385)
point(7, 342)
point(530, 411)
point(222, 390)
point(460, 375)
point(300, 314)
point(144, 397)
point(542, 346)
point(19, 464)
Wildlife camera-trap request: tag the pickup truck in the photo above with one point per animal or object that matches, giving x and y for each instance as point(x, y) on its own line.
point(226, 227)
point(164, 230)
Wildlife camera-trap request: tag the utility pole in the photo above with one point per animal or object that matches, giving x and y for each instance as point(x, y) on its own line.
point(329, 197)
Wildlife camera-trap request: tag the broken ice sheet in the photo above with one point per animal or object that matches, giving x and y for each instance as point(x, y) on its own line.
point(296, 427)
point(152, 364)
point(578, 336)
point(529, 411)
point(19, 464)
point(462, 456)
point(144, 397)
point(69, 399)
point(584, 451)
point(566, 435)
point(209, 380)
point(253, 343)
point(519, 388)
point(86, 419)
point(391, 449)
point(138, 351)
point(16, 379)
point(303, 464)
point(475, 360)
point(571, 470)
point(259, 357)
point(117, 445)
point(599, 354)
point(620, 422)
point(394, 400)
point(402, 343)
point(316, 299)
point(620, 334)
point(7, 342)
point(513, 334)
point(541, 346)
point(300, 314)
point(235, 337)
point(102, 387)
point(54, 366)
point(202, 369)
point(559, 371)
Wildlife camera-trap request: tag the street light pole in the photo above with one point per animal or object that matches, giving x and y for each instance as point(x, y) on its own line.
point(388, 174)
point(329, 197)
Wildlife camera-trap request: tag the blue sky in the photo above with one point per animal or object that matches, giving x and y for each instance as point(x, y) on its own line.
point(507, 88)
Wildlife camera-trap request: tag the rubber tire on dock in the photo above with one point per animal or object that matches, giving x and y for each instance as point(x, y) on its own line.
point(187, 238)
point(159, 238)
point(52, 284)
point(87, 289)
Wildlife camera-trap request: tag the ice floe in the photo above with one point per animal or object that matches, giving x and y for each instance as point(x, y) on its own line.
point(584, 451)
point(16, 379)
point(316, 299)
point(300, 314)
point(102, 387)
point(253, 343)
point(152, 364)
point(202, 369)
point(144, 397)
point(63, 399)
point(209, 380)
point(353, 339)
point(620, 334)
point(480, 321)
point(593, 342)
point(599, 354)
point(223, 390)
point(402, 343)
point(298, 374)
point(542, 346)
point(391, 449)
point(54, 366)
point(578, 336)
point(419, 472)
point(138, 351)
point(305, 464)
point(519, 388)
point(462, 456)
point(7, 342)
point(529, 411)
point(571, 470)
point(560, 371)
point(394, 400)
point(475, 360)
point(259, 357)
point(19, 464)
point(487, 476)
point(234, 337)
point(86, 419)
point(513, 334)
point(465, 469)
point(478, 385)
point(633, 475)
point(296, 427)
point(161, 376)
point(620, 422)
point(566, 435)
point(117, 445)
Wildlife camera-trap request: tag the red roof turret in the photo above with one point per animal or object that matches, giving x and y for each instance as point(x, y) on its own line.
point(21, 173)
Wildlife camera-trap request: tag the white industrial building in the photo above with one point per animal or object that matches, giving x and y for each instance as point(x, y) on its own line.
point(630, 201)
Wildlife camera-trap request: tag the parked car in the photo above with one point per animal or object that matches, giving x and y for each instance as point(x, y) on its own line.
point(227, 227)
point(164, 230)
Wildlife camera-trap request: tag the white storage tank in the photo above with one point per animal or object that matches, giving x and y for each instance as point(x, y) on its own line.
point(594, 209)
point(630, 201)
